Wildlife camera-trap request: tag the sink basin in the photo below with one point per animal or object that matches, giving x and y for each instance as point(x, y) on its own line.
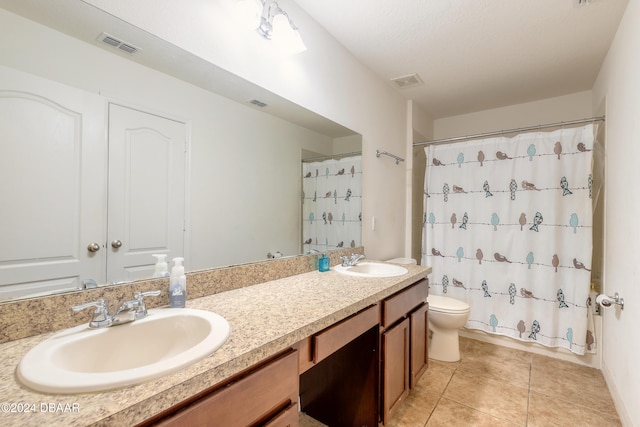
point(372, 269)
point(80, 359)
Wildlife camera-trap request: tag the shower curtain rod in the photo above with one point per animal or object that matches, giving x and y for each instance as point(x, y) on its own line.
point(507, 131)
point(334, 156)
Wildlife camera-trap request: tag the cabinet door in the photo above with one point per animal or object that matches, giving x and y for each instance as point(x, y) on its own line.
point(395, 368)
point(419, 344)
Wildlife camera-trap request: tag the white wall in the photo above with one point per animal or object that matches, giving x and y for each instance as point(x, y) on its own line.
point(245, 178)
point(617, 88)
point(552, 110)
point(325, 79)
point(421, 128)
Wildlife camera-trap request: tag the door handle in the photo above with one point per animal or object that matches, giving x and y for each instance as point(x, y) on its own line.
point(93, 247)
point(116, 244)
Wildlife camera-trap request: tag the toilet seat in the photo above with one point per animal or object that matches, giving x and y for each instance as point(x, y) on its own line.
point(447, 305)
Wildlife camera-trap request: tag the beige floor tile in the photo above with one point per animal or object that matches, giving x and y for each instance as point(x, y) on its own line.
point(547, 411)
point(572, 383)
point(498, 386)
point(437, 376)
point(497, 398)
point(475, 347)
point(453, 414)
point(415, 411)
point(500, 363)
point(306, 421)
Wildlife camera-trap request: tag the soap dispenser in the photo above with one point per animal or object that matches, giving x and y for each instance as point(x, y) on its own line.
point(323, 263)
point(162, 270)
point(177, 284)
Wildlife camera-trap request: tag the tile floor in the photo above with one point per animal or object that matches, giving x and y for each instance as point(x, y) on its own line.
point(496, 386)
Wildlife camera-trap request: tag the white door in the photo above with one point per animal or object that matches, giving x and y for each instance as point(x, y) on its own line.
point(52, 185)
point(147, 164)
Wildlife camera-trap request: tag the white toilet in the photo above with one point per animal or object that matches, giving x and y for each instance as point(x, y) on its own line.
point(446, 316)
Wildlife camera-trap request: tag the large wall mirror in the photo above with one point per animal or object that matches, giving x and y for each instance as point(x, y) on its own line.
point(110, 157)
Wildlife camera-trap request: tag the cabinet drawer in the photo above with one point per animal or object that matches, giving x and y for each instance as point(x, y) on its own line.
point(250, 400)
point(288, 418)
point(398, 305)
point(328, 341)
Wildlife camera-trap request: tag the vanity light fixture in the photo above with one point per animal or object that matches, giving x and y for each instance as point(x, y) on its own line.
point(277, 26)
point(271, 9)
point(273, 23)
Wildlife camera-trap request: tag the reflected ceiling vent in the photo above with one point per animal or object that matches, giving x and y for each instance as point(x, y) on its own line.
point(580, 3)
point(407, 81)
point(258, 103)
point(118, 44)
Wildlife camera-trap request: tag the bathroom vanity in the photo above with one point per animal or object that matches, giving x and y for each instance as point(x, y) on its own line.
point(336, 346)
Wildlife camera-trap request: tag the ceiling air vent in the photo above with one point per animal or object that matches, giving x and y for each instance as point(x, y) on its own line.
point(407, 81)
point(117, 43)
point(258, 103)
point(580, 3)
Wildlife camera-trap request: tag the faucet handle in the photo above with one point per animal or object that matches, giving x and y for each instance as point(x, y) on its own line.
point(141, 311)
point(101, 316)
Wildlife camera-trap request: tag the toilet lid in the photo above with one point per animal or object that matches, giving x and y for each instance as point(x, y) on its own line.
point(441, 303)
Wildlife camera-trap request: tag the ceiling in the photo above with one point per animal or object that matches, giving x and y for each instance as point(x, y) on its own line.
point(473, 55)
point(85, 22)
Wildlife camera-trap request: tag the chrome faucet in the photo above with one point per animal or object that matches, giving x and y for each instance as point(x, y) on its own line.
point(351, 261)
point(128, 311)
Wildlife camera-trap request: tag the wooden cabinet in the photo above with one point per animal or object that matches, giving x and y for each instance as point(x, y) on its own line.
point(337, 336)
point(265, 395)
point(395, 368)
point(355, 372)
point(404, 345)
point(339, 387)
point(419, 319)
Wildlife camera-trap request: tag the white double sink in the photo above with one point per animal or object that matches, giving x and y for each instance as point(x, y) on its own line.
point(80, 359)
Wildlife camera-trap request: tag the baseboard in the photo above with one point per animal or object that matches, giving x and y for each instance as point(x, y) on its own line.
point(625, 419)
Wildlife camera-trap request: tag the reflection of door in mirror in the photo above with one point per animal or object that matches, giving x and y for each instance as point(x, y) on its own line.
point(53, 181)
point(52, 177)
point(146, 203)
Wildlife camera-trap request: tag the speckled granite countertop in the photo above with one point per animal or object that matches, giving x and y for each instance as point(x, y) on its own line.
point(265, 319)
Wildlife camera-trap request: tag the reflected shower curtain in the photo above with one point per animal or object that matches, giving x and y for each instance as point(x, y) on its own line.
point(331, 204)
point(507, 228)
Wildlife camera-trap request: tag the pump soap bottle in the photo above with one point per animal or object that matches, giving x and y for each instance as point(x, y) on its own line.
point(162, 270)
point(323, 263)
point(177, 284)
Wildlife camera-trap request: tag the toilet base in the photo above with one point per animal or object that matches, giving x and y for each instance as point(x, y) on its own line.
point(444, 346)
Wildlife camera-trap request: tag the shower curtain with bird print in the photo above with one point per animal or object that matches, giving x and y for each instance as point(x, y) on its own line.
point(508, 228)
point(331, 204)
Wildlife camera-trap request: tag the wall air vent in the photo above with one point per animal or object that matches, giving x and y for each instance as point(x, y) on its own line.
point(258, 103)
point(118, 44)
point(407, 81)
